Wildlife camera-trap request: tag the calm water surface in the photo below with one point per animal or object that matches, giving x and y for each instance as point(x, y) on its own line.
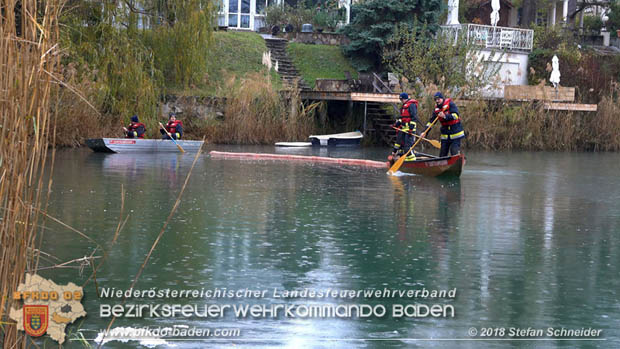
point(527, 240)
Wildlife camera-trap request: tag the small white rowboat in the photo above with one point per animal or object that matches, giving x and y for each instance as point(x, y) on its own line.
point(347, 139)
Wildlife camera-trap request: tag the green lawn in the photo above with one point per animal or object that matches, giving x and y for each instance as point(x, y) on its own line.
point(240, 53)
point(235, 53)
point(319, 61)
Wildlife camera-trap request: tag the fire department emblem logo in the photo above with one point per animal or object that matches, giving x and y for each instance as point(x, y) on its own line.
point(48, 308)
point(36, 318)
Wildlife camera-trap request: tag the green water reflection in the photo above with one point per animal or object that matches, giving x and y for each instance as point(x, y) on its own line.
point(527, 239)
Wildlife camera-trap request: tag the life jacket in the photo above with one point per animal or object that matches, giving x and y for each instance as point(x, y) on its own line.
point(445, 107)
point(450, 128)
point(404, 110)
point(133, 127)
point(172, 126)
point(405, 123)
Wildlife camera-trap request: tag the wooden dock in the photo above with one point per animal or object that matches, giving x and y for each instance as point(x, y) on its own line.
point(393, 98)
point(351, 96)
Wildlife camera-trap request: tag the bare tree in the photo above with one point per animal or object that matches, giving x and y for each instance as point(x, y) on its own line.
point(584, 4)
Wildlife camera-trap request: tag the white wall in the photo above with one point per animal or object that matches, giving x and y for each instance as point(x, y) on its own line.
point(512, 70)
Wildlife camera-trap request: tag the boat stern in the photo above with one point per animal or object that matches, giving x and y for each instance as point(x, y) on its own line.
point(448, 166)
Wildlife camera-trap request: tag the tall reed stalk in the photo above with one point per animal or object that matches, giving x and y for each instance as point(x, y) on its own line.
point(29, 66)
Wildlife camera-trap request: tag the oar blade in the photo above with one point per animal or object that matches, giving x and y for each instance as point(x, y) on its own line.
point(433, 142)
point(396, 165)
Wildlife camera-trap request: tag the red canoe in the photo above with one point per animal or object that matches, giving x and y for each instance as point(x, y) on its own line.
point(434, 166)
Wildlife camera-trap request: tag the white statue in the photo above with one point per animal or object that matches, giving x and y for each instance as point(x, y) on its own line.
point(453, 12)
point(495, 12)
point(604, 18)
point(555, 71)
point(267, 59)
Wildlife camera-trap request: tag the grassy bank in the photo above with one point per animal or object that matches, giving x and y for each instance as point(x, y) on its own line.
point(233, 53)
point(319, 61)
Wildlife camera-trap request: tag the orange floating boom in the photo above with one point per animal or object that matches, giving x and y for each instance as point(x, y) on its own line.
point(339, 161)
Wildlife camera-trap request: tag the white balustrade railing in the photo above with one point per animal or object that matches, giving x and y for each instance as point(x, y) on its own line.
point(492, 37)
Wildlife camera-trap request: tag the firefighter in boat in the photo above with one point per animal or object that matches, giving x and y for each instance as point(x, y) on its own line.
point(136, 129)
point(174, 127)
point(451, 128)
point(406, 127)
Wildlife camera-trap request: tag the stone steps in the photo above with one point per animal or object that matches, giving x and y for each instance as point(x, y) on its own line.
point(381, 121)
point(286, 69)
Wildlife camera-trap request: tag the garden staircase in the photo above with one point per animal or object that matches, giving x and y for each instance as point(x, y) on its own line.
point(382, 122)
point(287, 71)
point(381, 118)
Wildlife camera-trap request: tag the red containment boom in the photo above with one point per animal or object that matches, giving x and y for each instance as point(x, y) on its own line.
point(315, 159)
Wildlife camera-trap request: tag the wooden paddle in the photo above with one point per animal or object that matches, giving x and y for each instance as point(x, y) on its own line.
point(433, 142)
point(169, 135)
point(400, 161)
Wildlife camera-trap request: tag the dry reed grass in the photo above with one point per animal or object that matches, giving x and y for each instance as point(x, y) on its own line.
point(29, 69)
point(77, 118)
point(604, 126)
point(256, 113)
point(502, 125)
point(528, 126)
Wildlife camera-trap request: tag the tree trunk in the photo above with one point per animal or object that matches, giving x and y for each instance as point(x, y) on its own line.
point(528, 14)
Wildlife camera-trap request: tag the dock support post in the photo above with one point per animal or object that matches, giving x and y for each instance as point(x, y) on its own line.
point(365, 111)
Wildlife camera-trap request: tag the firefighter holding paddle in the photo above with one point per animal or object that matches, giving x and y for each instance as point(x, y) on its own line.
point(406, 126)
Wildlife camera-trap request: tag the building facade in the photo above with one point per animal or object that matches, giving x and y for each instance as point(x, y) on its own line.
point(250, 14)
point(244, 14)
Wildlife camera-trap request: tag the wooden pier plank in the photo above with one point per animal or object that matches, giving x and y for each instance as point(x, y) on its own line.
point(571, 106)
point(393, 98)
point(351, 96)
point(539, 93)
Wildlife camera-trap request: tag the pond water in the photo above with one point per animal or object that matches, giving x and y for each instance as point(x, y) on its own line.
point(527, 240)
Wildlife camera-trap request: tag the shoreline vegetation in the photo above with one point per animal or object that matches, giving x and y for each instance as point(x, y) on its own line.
point(29, 78)
point(35, 83)
point(111, 72)
point(527, 126)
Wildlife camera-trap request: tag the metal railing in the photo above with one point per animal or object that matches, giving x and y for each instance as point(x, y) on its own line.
point(492, 37)
point(380, 86)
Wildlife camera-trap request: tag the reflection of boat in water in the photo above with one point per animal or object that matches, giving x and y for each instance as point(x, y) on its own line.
point(129, 165)
point(348, 139)
point(294, 144)
point(295, 150)
point(126, 145)
point(429, 165)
